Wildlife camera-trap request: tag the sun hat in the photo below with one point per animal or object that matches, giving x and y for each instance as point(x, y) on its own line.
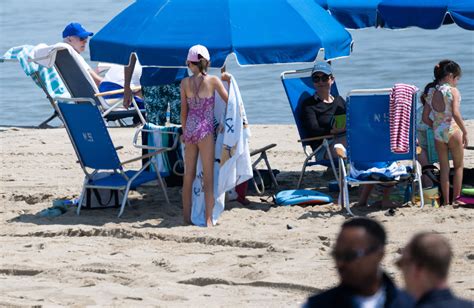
point(195, 51)
point(76, 29)
point(322, 67)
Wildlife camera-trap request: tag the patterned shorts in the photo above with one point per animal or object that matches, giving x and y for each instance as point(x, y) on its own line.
point(157, 98)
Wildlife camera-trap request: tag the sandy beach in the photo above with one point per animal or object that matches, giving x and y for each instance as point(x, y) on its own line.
point(257, 256)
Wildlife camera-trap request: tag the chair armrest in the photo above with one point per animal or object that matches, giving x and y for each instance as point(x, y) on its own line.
point(264, 149)
point(321, 137)
point(316, 138)
point(119, 91)
point(142, 157)
point(149, 147)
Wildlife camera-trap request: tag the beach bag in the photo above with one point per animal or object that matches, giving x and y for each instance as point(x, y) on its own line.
point(266, 179)
point(434, 174)
point(95, 198)
point(301, 197)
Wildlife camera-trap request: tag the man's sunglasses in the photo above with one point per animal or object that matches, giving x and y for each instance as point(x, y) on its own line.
point(352, 255)
point(318, 78)
point(84, 38)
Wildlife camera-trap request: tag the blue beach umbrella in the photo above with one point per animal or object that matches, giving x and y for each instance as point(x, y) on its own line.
point(398, 14)
point(427, 14)
point(354, 14)
point(258, 32)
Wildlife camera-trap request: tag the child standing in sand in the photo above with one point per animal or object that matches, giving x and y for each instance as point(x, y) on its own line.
point(197, 118)
point(449, 131)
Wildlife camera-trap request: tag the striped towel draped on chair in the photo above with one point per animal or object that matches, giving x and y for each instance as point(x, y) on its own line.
point(401, 99)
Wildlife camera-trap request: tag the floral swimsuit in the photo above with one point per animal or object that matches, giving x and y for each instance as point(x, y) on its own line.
point(200, 119)
point(444, 125)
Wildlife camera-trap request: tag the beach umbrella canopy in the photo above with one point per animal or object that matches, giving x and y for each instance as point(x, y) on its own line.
point(160, 32)
point(398, 14)
point(427, 14)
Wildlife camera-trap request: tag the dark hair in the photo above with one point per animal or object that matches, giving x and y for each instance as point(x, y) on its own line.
point(426, 90)
point(202, 64)
point(432, 252)
point(444, 68)
point(372, 227)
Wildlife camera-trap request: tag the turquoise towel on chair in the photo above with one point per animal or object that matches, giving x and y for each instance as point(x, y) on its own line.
point(168, 161)
point(49, 76)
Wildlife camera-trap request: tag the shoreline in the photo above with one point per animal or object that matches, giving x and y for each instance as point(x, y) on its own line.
point(251, 258)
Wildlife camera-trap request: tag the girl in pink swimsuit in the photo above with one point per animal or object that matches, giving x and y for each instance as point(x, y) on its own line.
point(197, 118)
point(449, 131)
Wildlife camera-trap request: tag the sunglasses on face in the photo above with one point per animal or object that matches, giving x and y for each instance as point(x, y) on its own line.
point(82, 39)
point(318, 78)
point(352, 255)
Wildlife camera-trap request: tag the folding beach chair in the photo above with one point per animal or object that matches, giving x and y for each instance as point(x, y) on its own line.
point(262, 156)
point(45, 78)
point(80, 84)
point(299, 86)
point(97, 155)
point(368, 140)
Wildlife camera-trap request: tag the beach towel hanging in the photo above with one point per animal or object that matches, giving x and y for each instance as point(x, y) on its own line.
point(401, 99)
point(301, 197)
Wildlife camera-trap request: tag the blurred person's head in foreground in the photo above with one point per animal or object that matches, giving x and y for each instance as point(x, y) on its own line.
point(425, 265)
point(358, 252)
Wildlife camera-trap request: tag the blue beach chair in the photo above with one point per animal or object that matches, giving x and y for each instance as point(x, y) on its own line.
point(368, 140)
point(298, 86)
point(97, 155)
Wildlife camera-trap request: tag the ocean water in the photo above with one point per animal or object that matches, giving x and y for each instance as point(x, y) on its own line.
point(380, 59)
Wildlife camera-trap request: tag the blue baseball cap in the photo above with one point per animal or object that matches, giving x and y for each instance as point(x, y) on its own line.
point(322, 67)
point(76, 29)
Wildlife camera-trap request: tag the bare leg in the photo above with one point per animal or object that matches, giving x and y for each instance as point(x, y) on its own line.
point(442, 149)
point(457, 151)
point(386, 202)
point(190, 159)
point(423, 160)
point(342, 140)
point(206, 149)
point(364, 194)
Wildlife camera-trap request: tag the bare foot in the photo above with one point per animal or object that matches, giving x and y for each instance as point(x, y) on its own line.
point(209, 223)
point(457, 203)
point(360, 204)
point(385, 204)
point(187, 222)
point(243, 201)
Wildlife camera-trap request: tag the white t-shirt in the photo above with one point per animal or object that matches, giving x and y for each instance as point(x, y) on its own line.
point(374, 301)
point(115, 74)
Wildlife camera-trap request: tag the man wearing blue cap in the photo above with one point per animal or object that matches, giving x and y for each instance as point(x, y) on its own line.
point(75, 35)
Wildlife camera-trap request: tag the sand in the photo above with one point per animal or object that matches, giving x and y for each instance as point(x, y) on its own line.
point(258, 255)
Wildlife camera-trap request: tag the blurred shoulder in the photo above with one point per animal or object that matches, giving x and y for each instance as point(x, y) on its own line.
point(329, 298)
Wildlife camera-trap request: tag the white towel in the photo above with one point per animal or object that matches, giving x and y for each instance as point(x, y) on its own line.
point(46, 56)
point(229, 170)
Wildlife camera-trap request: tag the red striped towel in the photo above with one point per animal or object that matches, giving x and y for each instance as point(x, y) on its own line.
point(401, 99)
